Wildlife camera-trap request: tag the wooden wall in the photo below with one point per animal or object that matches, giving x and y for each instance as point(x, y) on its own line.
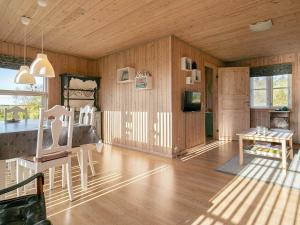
point(61, 63)
point(138, 119)
point(188, 127)
point(258, 116)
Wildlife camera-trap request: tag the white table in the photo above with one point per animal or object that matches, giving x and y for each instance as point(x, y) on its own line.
point(19, 139)
point(273, 136)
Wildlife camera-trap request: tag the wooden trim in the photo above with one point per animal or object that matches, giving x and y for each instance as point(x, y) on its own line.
point(215, 99)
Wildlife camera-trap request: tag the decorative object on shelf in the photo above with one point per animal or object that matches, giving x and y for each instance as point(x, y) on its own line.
point(23, 76)
point(143, 81)
point(189, 80)
point(186, 63)
point(41, 66)
point(280, 119)
point(194, 65)
point(282, 109)
point(264, 149)
point(125, 75)
point(196, 75)
point(78, 91)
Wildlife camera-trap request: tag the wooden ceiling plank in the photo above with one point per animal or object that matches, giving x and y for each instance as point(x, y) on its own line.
point(95, 28)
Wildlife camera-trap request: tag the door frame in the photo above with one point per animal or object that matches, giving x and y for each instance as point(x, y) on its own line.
point(215, 100)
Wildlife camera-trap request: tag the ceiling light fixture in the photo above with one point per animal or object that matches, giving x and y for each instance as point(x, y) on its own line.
point(23, 76)
point(42, 3)
point(261, 26)
point(41, 66)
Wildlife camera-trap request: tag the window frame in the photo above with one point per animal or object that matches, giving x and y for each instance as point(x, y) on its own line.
point(44, 94)
point(269, 90)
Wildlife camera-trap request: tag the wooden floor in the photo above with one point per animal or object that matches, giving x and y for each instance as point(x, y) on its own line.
point(133, 188)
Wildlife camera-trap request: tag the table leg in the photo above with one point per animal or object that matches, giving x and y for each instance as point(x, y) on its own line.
point(283, 152)
point(2, 176)
point(241, 147)
point(291, 149)
point(83, 167)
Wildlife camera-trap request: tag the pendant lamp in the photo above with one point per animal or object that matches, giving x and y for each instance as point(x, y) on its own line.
point(41, 66)
point(23, 76)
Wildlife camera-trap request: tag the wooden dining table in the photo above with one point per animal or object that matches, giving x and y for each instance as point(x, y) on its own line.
point(19, 139)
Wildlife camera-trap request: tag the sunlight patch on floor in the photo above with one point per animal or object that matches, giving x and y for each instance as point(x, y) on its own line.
point(248, 201)
point(199, 150)
point(90, 195)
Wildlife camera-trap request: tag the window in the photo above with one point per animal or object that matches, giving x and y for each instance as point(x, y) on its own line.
point(30, 96)
point(271, 91)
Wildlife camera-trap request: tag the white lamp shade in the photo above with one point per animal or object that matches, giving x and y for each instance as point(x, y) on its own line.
point(24, 77)
point(41, 67)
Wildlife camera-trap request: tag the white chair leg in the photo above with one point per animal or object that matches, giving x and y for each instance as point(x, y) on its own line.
point(9, 165)
point(63, 176)
point(51, 177)
point(69, 179)
point(13, 166)
point(19, 177)
point(90, 156)
point(78, 159)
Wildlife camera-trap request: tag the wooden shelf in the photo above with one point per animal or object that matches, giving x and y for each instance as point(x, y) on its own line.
point(280, 119)
point(186, 64)
point(267, 151)
point(125, 75)
point(91, 99)
point(73, 89)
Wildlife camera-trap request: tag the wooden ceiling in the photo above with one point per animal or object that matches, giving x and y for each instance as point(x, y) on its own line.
point(93, 28)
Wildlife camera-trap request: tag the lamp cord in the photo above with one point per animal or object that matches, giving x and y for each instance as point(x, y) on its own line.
point(42, 41)
point(25, 44)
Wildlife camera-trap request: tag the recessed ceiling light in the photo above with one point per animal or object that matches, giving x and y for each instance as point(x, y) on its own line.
point(25, 20)
point(261, 26)
point(42, 3)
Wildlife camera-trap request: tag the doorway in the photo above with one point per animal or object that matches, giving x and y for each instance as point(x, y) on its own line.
point(209, 104)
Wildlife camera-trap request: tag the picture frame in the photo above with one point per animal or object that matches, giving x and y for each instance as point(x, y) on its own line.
point(143, 81)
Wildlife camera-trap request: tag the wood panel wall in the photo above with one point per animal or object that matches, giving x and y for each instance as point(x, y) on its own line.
point(138, 119)
point(259, 117)
point(188, 127)
point(293, 58)
point(61, 63)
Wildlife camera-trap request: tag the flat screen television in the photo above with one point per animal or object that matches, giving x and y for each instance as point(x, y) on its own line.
point(191, 101)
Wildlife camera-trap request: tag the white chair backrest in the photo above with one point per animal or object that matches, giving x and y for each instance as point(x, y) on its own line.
point(87, 115)
point(57, 113)
point(15, 111)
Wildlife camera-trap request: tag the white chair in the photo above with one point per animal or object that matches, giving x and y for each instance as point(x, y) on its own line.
point(86, 117)
point(56, 154)
point(15, 111)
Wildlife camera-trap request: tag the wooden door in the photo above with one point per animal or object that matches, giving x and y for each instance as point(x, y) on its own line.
point(233, 101)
